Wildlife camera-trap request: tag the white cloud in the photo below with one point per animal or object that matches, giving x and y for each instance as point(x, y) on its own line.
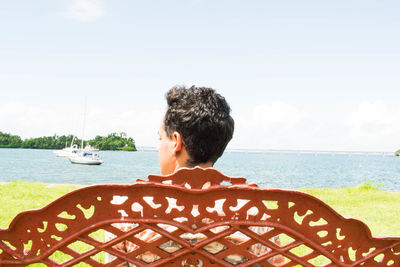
point(85, 10)
point(29, 120)
point(370, 118)
point(374, 124)
point(142, 125)
point(275, 125)
point(366, 126)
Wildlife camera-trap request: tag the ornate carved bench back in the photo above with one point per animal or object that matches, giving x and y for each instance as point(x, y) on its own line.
point(201, 221)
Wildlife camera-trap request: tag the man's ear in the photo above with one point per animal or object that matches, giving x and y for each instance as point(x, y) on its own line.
point(178, 142)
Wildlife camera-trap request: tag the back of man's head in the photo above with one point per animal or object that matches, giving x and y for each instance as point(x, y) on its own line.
point(202, 117)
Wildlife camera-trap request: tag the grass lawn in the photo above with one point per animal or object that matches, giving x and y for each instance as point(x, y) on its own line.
point(19, 196)
point(380, 210)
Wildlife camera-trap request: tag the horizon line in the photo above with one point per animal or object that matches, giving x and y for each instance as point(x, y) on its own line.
point(310, 151)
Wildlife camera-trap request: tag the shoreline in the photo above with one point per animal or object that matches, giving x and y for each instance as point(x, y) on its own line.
point(366, 186)
point(253, 150)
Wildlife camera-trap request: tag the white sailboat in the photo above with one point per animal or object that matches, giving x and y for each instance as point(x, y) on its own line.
point(67, 151)
point(86, 158)
point(86, 155)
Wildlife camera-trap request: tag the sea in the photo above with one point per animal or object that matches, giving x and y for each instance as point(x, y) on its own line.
point(268, 169)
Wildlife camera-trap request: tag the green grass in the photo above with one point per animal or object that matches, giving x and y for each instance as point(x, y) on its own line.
point(380, 210)
point(20, 196)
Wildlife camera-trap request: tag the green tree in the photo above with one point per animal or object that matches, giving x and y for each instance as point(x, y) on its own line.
point(10, 141)
point(114, 141)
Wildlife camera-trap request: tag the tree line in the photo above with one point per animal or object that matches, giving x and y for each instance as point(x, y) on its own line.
point(114, 141)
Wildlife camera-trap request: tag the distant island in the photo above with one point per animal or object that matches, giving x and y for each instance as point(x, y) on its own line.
point(114, 141)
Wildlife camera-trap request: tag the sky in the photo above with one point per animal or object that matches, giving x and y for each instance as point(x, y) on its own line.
point(302, 75)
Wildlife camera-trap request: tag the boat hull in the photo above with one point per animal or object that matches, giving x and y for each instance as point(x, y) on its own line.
point(64, 154)
point(86, 162)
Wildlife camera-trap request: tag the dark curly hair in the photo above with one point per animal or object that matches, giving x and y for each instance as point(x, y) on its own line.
point(202, 117)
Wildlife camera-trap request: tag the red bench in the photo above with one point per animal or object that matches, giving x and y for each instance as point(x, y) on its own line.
point(311, 233)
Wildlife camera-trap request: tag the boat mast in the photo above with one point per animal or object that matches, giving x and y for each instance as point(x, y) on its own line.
point(72, 141)
point(84, 122)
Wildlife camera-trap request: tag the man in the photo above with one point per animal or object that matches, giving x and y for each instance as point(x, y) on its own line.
point(195, 130)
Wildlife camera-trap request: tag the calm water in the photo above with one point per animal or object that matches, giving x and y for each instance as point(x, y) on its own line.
point(266, 169)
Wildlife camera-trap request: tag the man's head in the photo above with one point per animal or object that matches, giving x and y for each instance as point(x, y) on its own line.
point(198, 122)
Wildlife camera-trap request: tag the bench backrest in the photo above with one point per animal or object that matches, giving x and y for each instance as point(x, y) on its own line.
point(200, 203)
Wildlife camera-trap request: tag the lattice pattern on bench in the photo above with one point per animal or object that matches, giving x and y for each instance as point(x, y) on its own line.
point(312, 234)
